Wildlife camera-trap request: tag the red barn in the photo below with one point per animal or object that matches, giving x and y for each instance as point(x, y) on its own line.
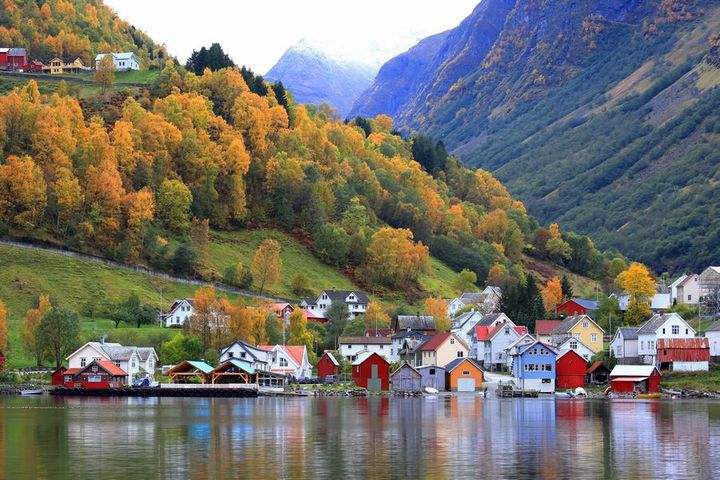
point(570, 368)
point(684, 354)
point(635, 379)
point(578, 306)
point(371, 371)
point(327, 365)
point(13, 58)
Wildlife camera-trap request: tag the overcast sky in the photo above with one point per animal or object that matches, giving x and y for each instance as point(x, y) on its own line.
point(257, 33)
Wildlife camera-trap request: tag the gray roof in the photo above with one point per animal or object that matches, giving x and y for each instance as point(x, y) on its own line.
point(629, 333)
point(585, 303)
point(567, 324)
point(409, 334)
point(415, 322)
point(472, 297)
point(145, 352)
point(341, 295)
point(461, 320)
point(715, 327)
point(654, 323)
point(365, 340)
point(16, 52)
point(489, 319)
point(119, 353)
point(453, 364)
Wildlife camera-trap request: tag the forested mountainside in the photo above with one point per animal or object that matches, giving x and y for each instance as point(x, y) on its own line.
point(601, 115)
point(72, 29)
point(315, 77)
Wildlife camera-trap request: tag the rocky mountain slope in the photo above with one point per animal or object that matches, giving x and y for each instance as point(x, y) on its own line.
point(598, 114)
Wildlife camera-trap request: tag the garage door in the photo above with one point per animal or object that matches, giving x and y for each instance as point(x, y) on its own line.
point(466, 385)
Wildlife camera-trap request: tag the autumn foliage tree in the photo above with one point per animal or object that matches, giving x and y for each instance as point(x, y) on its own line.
point(266, 264)
point(438, 309)
point(552, 294)
point(393, 258)
point(375, 316)
point(105, 72)
point(28, 333)
point(3, 329)
point(210, 318)
point(298, 330)
point(638, 282)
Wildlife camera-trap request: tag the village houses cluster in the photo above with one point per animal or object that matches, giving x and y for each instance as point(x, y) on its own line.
point(15, 59)
point(557, 355)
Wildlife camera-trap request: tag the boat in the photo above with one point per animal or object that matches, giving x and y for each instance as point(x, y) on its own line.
point(431, 390)
point(32, 391)
point(648, 395)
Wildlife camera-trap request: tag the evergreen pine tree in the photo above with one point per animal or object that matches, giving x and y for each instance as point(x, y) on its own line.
point(567, 290)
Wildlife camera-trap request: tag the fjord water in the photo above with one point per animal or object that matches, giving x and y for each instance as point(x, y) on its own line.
point(442, 437)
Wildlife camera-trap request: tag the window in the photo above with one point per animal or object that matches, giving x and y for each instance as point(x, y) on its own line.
point(460, 354)
point(545, 380)
point(349, 347)
point(466, 372)
point(663, 331)
point(283, 362)
point(242, 355)
point(507, 330)
point(675, 329)
point(82, 362)
point(593, 337)
point(573, 344)
point(689, 298)
point(642, 345)
point(452, 341)
point(687, 332)
point(548, 367)
point(432, 371)
point(382, 346)
point(231, 354)
point(586, 324)
point(117, 364)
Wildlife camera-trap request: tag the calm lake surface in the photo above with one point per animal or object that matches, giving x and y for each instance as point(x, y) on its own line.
point(442, 437)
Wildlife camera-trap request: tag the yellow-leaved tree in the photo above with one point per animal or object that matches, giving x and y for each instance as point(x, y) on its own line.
point(638, 282)
point(552, 294)
point(438, 308)
point(267, 265)
point(375, 316)
point(299, 333)
point(28, 333)
point(394, 259)
point(105, 72)
point(3, 330)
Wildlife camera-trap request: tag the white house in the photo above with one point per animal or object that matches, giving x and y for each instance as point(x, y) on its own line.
point(180, 311)
point(464, 324)
point(624, 345)
point(486, 301)
point(356, 302)
point(576, 344)
point(127, 358)
point(351, 347)
point(261, 359)
point(289, 360)
point(514, 348)
point(658, 302)
point(123, 61)
point(688, 290)
point(494, 342)
point(405, 341)
point(713, 336)
point(667, 325)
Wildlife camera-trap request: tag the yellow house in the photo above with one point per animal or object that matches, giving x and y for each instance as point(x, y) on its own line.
point(441, 349)
point(57, 67)
point(581, 327)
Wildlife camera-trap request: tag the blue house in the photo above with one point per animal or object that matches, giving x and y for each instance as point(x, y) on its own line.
point(533, 367)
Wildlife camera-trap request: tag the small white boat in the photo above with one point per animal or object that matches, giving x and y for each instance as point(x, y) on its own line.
point(431, 390)
point(35, 391)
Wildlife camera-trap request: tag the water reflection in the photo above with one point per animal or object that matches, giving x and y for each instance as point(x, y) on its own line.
point(440, 437)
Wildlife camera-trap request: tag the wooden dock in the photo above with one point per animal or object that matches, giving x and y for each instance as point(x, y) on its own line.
point(509, 392)
point(169, 391)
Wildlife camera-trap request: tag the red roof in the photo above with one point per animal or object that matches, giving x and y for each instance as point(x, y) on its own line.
point(683, 343)
point(111, 368)
point(483, 332)
point(71, 371)
point(313, 316)
point(296, 352)
point(435, 341)
point(521, 330)
point(596, 364)
point(545, 327)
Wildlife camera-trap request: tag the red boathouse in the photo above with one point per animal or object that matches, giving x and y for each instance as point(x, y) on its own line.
point(327, 365)
point(98, 374)
point(635, 379)
point(683, 354)
point(570, 368)
point(371, 371)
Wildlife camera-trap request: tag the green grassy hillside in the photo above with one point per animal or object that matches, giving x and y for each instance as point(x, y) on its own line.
point(24, 274)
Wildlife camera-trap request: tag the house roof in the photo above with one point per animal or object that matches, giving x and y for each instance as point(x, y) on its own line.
point(565, 352)
point(456, 362)
point(570, 322)
point(365, 340)
point(106, 365)
point(405, 366)
point(361, 357)
point(520, 340)
point(683, 343)
point(596, 365)
point(423, 367)
point(250, 349)
point(628, 379)
point(415, 322)
point(308, 300)
point(71, 371)
point(484, 332)
point(586, 303)
point(116, 55)
point(202, 366)
point(310, 315)
point(243, 365)
point(568, 340)
point(16, 52)
point(629, 333)
point(279, 307)
point(119, 353)
point(409, 334)
point(178, 301)
point(145, 352)
point(378, 332)
point(297, 352)
point(435, 341)
point(490, 318)
point(545, 327)
point(470, 298)
point(656, 321)
point(688, 278)
point(523, 348)
point(332, 358)
point(341, 295)
point(632, 371)
point(461, 320)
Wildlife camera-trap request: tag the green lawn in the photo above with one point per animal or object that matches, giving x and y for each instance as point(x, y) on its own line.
point(704, 381)
point(230, 248)
point(24, 274)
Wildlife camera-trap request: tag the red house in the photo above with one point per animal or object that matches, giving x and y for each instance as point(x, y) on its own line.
point(683, 354)
point(635, 379)
point(371, 371)
point(578, 306)
point(97, 374)
point(570, 368)
point(327, 365)
point(13, 58)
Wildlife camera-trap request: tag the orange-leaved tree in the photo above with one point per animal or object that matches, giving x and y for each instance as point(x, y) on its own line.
point(438, 309)
point(552, 294)
point(266, 264)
